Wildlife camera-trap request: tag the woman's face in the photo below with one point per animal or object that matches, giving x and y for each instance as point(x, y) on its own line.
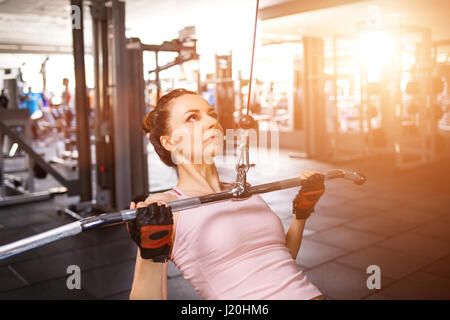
point(195, 134)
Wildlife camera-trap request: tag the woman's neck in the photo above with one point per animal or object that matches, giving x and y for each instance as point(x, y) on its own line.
point(198, 179)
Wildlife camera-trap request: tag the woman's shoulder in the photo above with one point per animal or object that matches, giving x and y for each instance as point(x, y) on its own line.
point(227, 185)
point(162, 196)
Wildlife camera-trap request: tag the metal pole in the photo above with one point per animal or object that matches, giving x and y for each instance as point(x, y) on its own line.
point(40, 239)
point(157, 80)
point(2, 169)
point(82, 109)
point(336, 122)
point(119, 107)
point(104, 151)
point(184, 204)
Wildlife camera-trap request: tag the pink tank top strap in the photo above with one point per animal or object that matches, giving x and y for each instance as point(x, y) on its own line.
point(177, 192)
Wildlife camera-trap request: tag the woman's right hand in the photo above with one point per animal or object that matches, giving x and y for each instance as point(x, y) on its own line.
point(313, 188)
point(152, 229)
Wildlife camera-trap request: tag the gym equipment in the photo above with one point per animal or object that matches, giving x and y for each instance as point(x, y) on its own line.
point(119, 82)
point(15, 181)
point(414, 118)
point(372, 112)
point(377, 137)
point(438, 111)
point(13, 84)
point(240, 190)
point(246, 122)
point(38, 172)
point(224, 90)
point(412, 88)
point(12, 189)
point(85, 224)
point(121, 158)
point(398, 113)
point(350, 116)
point(412, 109)
point(82, 109)
point(410, 130)
point(185, 46)
point(439, 142)
point(437, 85)
point(68, 158)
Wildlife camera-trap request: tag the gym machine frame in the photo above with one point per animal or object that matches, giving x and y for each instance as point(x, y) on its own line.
point(69, 186)
point(186, 49)
point(337, 136)
point(423, 147)
point(119, 105)
point(427, 122)
point(119, 82)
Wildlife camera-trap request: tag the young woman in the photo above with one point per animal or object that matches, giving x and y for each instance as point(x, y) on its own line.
point(235, 249)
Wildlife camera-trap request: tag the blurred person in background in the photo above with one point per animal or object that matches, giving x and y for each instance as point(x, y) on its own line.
point(4, 99)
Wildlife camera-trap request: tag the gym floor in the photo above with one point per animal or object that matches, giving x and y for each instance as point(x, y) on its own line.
point(399, 221)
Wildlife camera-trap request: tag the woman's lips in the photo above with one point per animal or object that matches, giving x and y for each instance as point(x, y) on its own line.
point(212, 138)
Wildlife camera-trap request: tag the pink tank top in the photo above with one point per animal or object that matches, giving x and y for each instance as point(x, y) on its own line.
point(235, 250)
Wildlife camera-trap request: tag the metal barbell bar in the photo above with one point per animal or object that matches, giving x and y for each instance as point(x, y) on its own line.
point(88, 223)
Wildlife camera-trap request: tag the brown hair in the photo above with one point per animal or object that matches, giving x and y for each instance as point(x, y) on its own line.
point(156, 123)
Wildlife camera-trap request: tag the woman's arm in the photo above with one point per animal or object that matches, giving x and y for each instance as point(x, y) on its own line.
point(166, 265)
point(150, 280)
point(294, 236)
point(303, 205)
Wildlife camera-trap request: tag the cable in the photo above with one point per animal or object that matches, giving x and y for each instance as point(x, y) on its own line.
point(253, 56)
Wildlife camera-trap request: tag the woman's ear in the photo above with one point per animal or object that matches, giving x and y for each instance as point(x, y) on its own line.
point(167, 143)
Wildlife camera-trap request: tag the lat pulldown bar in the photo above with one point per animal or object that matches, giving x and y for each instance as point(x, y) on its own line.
point(77, 227)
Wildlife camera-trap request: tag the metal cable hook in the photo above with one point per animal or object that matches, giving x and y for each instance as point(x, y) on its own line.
point(246, 123)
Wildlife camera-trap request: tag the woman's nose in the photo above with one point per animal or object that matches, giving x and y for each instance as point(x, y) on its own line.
point(211, 123)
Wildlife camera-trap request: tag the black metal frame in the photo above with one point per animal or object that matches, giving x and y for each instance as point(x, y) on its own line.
point(71, 185)
point(187, 51)
point(82, 110)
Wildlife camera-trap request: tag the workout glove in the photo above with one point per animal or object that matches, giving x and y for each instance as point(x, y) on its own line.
point(305, 200)
point(152, 231)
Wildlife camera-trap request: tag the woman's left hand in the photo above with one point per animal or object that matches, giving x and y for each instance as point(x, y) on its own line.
point(313, 188)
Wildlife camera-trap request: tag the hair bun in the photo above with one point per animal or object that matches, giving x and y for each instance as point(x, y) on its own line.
point(148, 121)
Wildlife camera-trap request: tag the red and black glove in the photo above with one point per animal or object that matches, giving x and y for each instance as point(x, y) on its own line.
point(152, 231)
point(313, 188)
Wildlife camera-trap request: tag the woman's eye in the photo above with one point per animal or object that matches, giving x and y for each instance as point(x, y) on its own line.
point(192, 118)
